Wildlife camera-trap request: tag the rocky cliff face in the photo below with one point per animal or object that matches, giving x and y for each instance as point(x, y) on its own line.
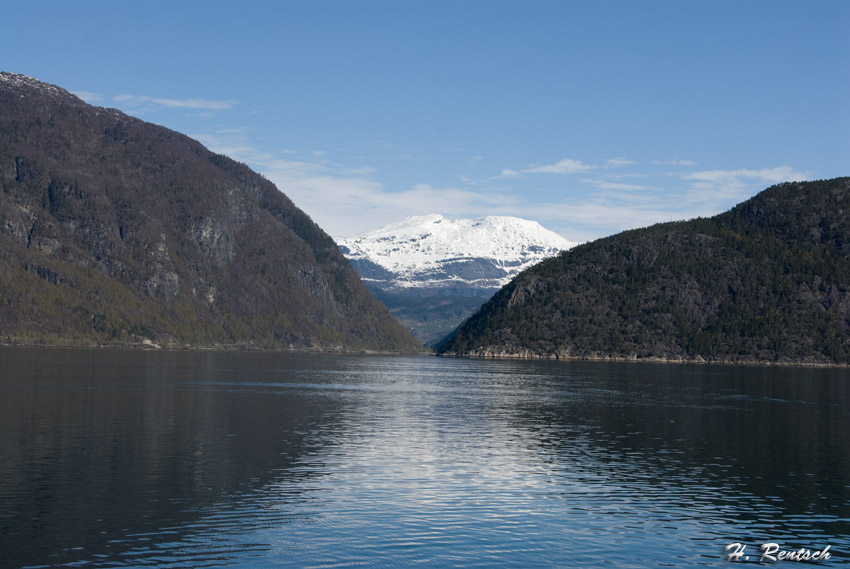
point(113, 230)
point(766, 282)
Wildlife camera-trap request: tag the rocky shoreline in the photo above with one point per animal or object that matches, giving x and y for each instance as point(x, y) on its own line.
point(495, 354)
point(149, 345)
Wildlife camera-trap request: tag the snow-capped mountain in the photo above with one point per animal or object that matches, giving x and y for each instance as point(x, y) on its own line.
point(461, 256)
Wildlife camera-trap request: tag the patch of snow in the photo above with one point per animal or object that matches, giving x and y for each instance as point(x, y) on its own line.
point(419, 250)
point(19, 82)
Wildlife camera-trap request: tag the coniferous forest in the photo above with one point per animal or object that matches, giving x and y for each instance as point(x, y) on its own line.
point(767, 281)
point(115, 231)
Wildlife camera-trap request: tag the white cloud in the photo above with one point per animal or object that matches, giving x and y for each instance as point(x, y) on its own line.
point(675, 162)
point(618, 206)
point(771, 175)
point(359, 171)
point(343, 200)
point(88, 96)
point(346, 206)
point(157, 102)
point(618, 162)
point(234, 145)
point(593, 218)
point(714, 186)
point(565, 166)
point(348, 199)
point(606, 185)
point(713, 191)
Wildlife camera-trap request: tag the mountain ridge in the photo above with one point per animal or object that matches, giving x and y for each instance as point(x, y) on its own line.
point(119, 232)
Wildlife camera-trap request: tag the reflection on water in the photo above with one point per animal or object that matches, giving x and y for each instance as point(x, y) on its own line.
point(114, 458)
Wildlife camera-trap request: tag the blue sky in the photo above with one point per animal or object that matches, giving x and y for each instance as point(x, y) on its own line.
point(588, 116)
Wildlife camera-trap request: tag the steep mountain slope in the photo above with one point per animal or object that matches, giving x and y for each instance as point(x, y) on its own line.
point(113, 230)
point(768, 281)
point(433, 273)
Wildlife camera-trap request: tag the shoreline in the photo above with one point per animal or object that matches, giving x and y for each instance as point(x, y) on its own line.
point(151, 346)
point(486, 355)
point(699, 360)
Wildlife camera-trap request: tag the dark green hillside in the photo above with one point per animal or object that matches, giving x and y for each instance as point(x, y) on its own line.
point(768, 281)
point(117, 231)
point(429, 318)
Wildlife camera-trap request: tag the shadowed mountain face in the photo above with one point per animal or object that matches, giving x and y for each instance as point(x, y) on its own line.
point(114, 230)
point(768, 281)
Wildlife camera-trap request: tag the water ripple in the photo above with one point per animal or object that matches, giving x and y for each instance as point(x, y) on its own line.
point(388, 462)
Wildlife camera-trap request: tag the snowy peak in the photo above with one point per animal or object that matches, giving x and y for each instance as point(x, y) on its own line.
point(434, 252)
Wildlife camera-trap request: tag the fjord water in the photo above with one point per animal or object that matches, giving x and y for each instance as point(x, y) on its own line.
point(190, 459)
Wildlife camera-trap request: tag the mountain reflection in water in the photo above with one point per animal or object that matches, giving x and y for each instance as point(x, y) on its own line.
point(123, 458)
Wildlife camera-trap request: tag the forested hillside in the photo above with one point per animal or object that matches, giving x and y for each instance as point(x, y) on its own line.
point(768, 281)
point(118, 231)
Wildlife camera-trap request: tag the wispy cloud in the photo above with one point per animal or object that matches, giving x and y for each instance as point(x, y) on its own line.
point(233, 143)
point(772, 175)
point(343, 200)
point(593, 217)
point(359, 171)
point(618, 162)
point(674, 162)
point(614, 206)
point(510, 174)
point(347, 205)
point(152, 103)
point(346, 199)
point(606, 185)
point(565, 166)
point(89, 97)
point(713, 185)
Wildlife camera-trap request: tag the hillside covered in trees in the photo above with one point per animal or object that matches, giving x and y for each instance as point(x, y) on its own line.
point(120, 232)
point(766, 282)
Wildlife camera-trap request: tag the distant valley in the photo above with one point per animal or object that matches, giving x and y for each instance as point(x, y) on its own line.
point(434, 272)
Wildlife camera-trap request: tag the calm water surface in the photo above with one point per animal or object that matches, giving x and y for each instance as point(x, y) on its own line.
point(193, 459)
